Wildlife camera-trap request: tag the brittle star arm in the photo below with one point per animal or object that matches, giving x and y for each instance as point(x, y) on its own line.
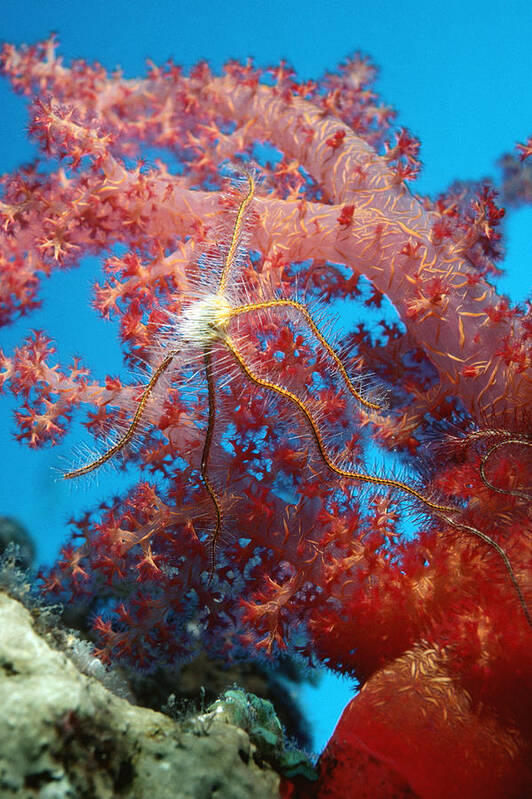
point(503, 556)
point(441, 510)
point(301, 309)
point(206, 454)
point(236, 234)
point(125, 439)
point(523, 442)
point(318, 438)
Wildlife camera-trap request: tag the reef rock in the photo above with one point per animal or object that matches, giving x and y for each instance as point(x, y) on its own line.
point(63, 735)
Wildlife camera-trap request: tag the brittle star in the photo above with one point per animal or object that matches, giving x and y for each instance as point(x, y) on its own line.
point(207, 322)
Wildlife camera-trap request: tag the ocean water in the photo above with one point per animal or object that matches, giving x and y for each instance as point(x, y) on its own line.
point(458, 77)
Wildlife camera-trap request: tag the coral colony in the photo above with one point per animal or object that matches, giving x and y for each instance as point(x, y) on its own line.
point(233, 212)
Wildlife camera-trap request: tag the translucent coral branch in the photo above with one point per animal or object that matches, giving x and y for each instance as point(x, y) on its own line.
point(456, 334)
point(387, 218)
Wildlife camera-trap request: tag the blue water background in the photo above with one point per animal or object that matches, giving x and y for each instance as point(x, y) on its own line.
point(457, 72)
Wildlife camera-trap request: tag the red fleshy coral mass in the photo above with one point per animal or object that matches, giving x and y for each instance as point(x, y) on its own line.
point(308, 560)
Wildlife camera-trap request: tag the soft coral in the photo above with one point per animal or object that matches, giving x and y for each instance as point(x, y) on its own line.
point(432, 626)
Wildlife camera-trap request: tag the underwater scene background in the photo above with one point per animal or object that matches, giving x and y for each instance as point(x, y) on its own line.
point(458, 79)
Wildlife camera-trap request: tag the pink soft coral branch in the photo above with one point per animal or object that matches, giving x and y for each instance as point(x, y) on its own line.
point(440, 297)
